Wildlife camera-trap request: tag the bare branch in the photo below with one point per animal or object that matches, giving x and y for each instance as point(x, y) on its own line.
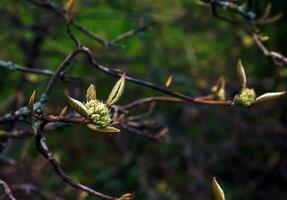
point(7, 190)
point(42, 147)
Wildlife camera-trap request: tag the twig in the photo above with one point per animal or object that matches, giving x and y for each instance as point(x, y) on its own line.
point(16, 134)
point(45, 72)
point(7, 190)
point(110, 44)
point(57, 9)
point(147, 84)
point(30, 189)
point(152, 99)
point(59, 70)
point(131, 33)
point(249, 20)
point(276, 57)
point(42, 147)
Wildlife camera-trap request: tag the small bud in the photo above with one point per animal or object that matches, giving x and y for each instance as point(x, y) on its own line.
point(168, 81)
point(269, 97)
point(246, 97)
point(217, 190)
point(91, 93)
point(127, 196)
point(69, 8)
point(107, 129)
point(78, 107)
point(264, 38)
point(241, 74)
point(117, 91)
point(32, 101)
point(64, 111)
point(219, 89)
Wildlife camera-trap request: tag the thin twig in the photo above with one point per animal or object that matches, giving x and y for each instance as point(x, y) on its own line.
point(45, 72)
point(152, 99)
point(147, 84)
point(42, 147)
point(60, 69)
point(7, 190)
point(131, 33)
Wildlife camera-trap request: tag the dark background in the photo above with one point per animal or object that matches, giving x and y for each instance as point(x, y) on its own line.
point(244, 147)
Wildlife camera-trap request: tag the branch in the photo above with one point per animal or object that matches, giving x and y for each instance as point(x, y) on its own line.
point(249, 20)
point(147, 84)
point(42, 147)
point(19, 115)
point(152, 99)
point(59, 70)
point(131, 33)
point(110, 44)
point(274, 56)
point(7, 190)
point(16, 134)
point(13, 66)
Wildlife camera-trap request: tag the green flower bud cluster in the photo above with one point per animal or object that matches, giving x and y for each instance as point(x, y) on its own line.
point(98, 113)
point(246, 97)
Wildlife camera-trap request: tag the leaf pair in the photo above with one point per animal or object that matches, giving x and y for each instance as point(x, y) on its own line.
point(114, 95)
point(243, 83)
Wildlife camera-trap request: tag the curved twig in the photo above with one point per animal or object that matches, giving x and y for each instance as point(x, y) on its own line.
point(42, 147)
point(7, 190)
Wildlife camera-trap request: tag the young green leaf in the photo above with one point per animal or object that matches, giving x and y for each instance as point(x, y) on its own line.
point(32, 101)
point(269, 97)
point(78, 107)
point(108, 129)
point(168, 81)
point(241, 74)
point(69, 8)
point(217, 190)
point(117, 91)
point(91, 93)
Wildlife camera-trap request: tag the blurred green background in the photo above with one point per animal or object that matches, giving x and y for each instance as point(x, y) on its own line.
point(245, 148)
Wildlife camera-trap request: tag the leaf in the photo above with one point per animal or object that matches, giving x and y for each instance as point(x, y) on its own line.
point(78, 107)
point(241, 74)
point(168, 81)
point(217, 190)
point(127, 196)
point(108, 129)
point(91, 93)
point(32, 101)
point(117, 91)
point(269, 96)
point(69, 8)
